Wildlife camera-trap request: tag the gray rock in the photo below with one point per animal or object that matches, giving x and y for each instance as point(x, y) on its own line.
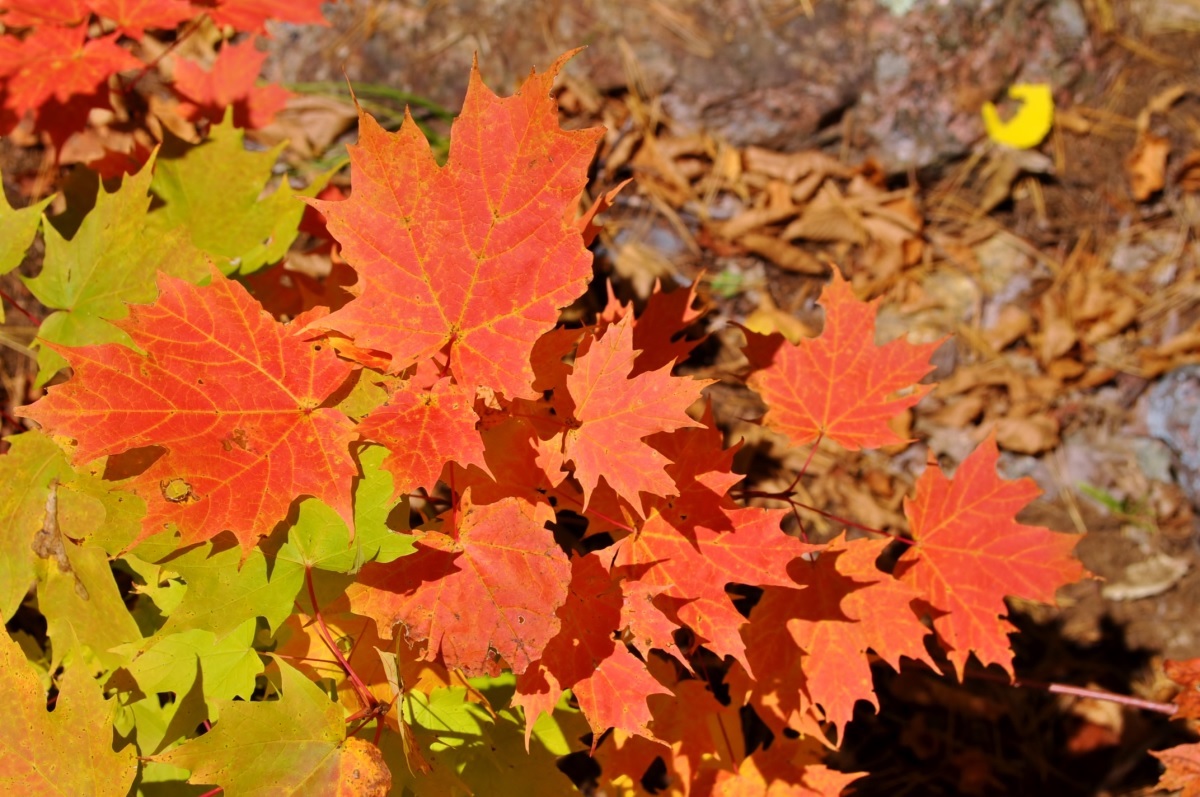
point(1172, 413)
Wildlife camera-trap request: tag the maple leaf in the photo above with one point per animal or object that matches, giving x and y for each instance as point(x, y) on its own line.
point(214, 193)
point(610, 683)
point(67, 751)
point(250, 16)
point(320, 538)
point(840, 385)
point(969, 552)
point(847, 608)
point(1182, 764)
point(479, 254)
point(59, 63)
point(33, 462)
point(224, 669)
point(611, 409)
point(17, 228)
point(701, 732)
point(425, 429)
point(133, 17)
point(108, 264)
point(85, 615)
point(624, 760)
point(691, 573)
point(231, 83)
point(224, 589)
point(29, 13)
point(614, 696)
point(658, 330)
point(232, 397)
point(294, 745)
point(486, 588)
point(1187, 674)
point(776, 773)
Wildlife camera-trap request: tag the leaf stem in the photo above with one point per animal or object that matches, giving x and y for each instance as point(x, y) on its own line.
point(1078, 691)
point(19, 308)
point(364, 694)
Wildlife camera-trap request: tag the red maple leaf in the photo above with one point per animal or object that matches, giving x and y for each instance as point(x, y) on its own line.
point(423, 430)
point(658, 331)
point(848, 608)
point(486, 588)
point(54, 63)
point(610, 683)
point(231, 83)
point(839, 385)
point(28, 13)
point(479, 254)
point(133, 17)
point(250, 16)
point(613, 411)
point(970, 552)
point(691, 572)
point(232, 396)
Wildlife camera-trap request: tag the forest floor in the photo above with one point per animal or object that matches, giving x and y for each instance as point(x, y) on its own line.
point(769, 141)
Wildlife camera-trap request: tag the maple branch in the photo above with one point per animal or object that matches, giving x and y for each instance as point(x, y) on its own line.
point(1078, 691)
point(360, 688)
point(785, 496)
point(214, 792)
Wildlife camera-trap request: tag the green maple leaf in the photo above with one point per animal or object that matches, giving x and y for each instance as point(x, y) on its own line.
point(213, 194)
point(451, 732)
point(225, 668)
point(474, 750)
point(294, 745)
point(68, 751)
point(321, 540)
point(85, 615)
point(17, 228)
point(26, 471)
point(109, 263)
point(221, 595)
point(156, 724)
point(84, 508)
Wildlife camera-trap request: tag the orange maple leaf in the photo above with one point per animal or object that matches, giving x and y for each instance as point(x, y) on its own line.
point(1182, 764)
point(423, 430)
point(486, 588)
point(230, 394)
point(133, 17)
point(969, 552)
point(609, 682)
point(613, 412)
point(59, 64)
point(478, 255)
point(848, 608)
point(691, 572)
point(231, 83)
point(839, 385)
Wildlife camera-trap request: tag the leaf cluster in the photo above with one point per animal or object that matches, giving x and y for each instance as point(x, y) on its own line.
point(424, 537)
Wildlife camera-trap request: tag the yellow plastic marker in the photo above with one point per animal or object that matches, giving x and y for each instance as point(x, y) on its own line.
point(1030, 124)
